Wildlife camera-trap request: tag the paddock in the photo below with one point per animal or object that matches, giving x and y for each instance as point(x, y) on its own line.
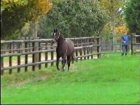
point(110, 79)
point(95, 74)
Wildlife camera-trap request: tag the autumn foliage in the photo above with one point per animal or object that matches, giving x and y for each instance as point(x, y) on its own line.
point(120, 30)
point(44, 5)
point(15, 13)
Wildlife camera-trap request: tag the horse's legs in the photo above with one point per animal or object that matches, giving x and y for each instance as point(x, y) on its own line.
point(63, 62)
point(57, 63)
point(68, 61)
point(72, 58)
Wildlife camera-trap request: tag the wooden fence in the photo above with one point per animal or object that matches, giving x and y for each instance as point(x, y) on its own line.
point(135, 44)
point(24, 55)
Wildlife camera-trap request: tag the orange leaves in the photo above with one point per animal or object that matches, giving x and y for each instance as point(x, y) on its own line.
point(121, 29)
point(40, 7)
point(37, 8)
point(44, 6)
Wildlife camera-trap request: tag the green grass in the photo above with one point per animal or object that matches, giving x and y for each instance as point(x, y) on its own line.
point(113, 79)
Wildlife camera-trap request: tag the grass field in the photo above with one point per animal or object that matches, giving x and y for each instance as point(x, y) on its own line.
point(112, 79)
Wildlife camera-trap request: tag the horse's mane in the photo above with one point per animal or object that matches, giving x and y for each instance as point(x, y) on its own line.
point(62, 36)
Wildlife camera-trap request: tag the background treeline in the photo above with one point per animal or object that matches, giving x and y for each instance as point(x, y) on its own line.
point(74, 18)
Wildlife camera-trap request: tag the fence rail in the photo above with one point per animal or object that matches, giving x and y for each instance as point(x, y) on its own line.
point(17, 55)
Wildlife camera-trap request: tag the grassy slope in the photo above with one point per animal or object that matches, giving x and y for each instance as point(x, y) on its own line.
point(111, 79)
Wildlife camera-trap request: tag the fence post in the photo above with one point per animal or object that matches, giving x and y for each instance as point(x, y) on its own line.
point(1, 63)
point(33, 55)
point(80, 50)
point(19, 57)
point(132, 50)
point(46, 54)
point(98, 47)
point(10, 58)
point(92, 41)
point(88, 41)
point(76, 49)
point(39, 59)
point(52, 54)
point(26, 56)
point(3, 47)
point(36, 54)
point(84, 48)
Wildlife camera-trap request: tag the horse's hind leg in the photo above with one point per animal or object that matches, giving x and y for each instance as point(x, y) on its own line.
point(57, 63)
point(72, 58)
point(68, 61)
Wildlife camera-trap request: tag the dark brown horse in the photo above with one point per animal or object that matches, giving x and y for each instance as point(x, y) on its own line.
point(64, 49)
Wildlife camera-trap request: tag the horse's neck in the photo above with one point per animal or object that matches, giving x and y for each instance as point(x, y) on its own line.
point(60, 41)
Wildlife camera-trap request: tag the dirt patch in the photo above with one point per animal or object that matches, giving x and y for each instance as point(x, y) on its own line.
point(28, 81)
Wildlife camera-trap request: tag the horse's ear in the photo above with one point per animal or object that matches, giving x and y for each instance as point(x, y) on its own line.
point(56, 30)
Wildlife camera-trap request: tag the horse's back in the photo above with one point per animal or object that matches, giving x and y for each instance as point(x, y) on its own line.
point(70, 45)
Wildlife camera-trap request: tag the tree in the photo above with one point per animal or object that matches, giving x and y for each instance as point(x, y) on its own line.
point(17, 12)
point(115, 18)
point(132, 16)
point(74, 18)
point(112, 8)
point(11, 17)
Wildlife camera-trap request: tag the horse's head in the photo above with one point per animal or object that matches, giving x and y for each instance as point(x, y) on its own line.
point(56, 34)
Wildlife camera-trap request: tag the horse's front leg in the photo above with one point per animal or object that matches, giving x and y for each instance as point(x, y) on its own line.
point(57, 63)
point(63, 62)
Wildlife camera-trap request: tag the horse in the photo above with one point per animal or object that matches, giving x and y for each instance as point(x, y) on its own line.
point(64, 49)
